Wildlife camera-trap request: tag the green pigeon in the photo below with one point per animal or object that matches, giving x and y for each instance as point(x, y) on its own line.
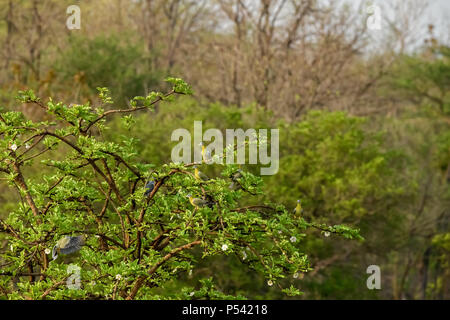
point(197, 202)
point(200, 175)
point(235, 185)
point(298, 210)
point(67, 245)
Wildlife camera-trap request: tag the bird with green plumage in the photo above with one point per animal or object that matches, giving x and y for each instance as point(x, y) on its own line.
point(235, 185)
point(67, 245)
point(206, 155)
point(197, 202)
point(200, 175)
point(298, 210)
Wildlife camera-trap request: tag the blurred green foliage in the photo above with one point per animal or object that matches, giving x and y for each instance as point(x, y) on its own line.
point(112, 62)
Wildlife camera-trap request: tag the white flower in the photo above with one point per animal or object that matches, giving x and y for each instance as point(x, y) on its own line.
point(270, 283)
point(244, 255)
point(27, 146)
point(47, 251)
point(280, 232)
point(192, 293)
point(14, 147)
point(97, 236)
point(118, 277)
point(293, 239)
point(326, 234)
point(295, 275)
point(224, 247)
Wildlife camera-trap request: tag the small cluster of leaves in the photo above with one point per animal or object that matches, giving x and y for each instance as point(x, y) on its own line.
point(180, 86)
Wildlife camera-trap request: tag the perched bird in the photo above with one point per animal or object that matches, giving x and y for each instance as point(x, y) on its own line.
point(235, 185)
point(200, 175)
point(236, 175)
point(149, 188)
point(197, 202)
point(298, 210)
point(67, 245)
point(204, 153)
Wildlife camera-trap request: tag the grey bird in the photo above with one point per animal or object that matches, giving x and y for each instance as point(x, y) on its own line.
point(149, 188)
point(235, 185)
point(67, 245)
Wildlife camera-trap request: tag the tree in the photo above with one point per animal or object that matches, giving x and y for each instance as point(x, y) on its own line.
point(423, 79)
point(135, 243)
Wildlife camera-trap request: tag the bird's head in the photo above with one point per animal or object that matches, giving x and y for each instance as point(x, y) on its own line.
point(83, 238)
